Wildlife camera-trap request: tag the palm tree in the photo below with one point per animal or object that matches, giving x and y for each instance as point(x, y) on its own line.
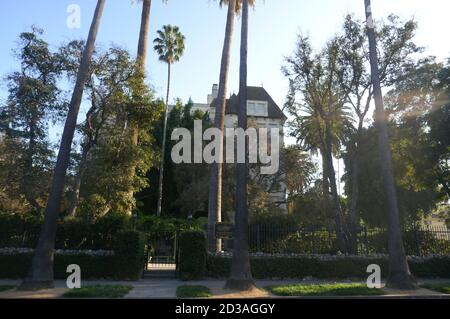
point(215, 179)
point(329, 121)
point(215, 182)
point(142, 50)
point(40, 275)
point(170, 47)
point(215, 185)
point(321, 122)
point(241, 276)
point(399, 273)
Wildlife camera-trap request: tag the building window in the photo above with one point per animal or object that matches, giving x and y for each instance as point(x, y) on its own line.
point(257, 108)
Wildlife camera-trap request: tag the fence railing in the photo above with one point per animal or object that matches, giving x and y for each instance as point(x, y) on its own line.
point(272, 238)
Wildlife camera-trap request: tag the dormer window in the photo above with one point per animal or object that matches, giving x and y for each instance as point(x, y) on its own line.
point(257, 108)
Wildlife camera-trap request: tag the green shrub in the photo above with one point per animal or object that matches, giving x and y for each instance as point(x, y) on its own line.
point(98, 291)
point(129, 250)
point(326, 267)
point(127, 262)
point(19, 230)
point(192, 255)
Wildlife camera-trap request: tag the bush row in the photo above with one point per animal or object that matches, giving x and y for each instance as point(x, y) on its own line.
point(125, 264)
point(284, 267)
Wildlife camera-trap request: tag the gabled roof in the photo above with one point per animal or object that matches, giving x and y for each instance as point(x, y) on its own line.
point(254, 93)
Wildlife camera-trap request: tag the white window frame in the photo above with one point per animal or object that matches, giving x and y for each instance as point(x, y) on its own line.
point(257, 108)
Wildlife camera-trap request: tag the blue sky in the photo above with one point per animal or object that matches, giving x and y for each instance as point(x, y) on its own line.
point(274, 25)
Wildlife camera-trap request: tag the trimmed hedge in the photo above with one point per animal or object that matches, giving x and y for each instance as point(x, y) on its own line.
point(126, 263)
point(99, 267)
point(284, 267)
point(192, 255)
point(129, 250)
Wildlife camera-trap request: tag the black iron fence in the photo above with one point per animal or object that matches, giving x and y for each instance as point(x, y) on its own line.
point(290, 239)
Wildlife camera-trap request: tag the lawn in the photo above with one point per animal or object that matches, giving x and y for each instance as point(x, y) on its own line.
point(5, 288)
point(324, 290)
point(193, 292)
point(444, 287)
point(106, 291)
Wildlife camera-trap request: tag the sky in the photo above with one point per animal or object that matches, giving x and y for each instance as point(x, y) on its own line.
point(273, 29)
point(274, 26)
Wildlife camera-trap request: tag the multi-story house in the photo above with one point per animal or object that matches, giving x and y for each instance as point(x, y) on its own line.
point(263, 112)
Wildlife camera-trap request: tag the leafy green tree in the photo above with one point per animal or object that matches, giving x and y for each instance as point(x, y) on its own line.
point(191, 179)
point(322, 121)
point(307, 207)
point(418, 105)
point(34, 100)
point(298, 170)
point(439, 122)
point(178, 178)
point(118, 95)
point(396, 51)
point(418, 190)
point(170, 47)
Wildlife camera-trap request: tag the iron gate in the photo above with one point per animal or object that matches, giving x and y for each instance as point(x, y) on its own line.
point(162, 252)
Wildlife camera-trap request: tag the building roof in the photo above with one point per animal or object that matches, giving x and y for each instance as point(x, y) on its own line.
point(254, 94)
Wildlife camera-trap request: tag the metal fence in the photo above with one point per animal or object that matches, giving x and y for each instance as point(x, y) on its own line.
point(288, 238)
point(162, 251)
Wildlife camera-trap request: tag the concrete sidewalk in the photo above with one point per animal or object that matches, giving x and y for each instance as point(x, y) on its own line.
point(166, 288)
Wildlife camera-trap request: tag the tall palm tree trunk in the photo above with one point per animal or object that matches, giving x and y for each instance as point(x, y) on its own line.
point(399, 273)
point(143, 34)
point(141, 58)
point(41, 271)
point(241, 276)
point(215, 180)
point(142, 49)
point(163, 149)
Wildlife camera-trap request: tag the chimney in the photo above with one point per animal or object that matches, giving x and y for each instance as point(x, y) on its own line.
point(214, 93)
